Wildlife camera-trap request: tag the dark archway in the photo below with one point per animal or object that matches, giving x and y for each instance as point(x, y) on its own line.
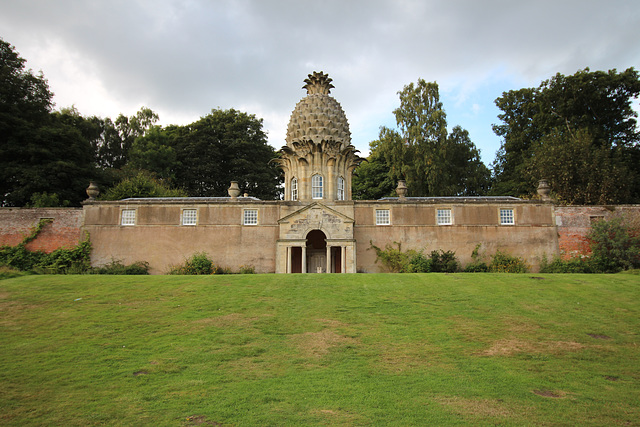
point(316, 239)
point(316, 252)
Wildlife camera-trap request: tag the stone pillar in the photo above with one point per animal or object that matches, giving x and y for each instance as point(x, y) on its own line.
point(328, 259)
point(304, 258)
point(289, 259)
point(343, 259)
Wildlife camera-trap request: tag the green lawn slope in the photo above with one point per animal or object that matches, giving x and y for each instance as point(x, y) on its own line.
point(366, 349)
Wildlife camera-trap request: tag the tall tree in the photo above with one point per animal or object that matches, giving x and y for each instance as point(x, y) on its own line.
point(433, 162)
point(224, 146)
point(577, 131)
point(40, 152)
point(117, 137)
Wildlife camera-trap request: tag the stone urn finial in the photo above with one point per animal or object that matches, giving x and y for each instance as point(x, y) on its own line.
point(401, 189)
point(92, 190)
point(234, 190)
point(544, 189)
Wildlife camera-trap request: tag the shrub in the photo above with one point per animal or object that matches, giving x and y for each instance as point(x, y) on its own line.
point(198, 264)
point(444, 262)
point(419, 264)
point(117, 267)
point(247, 269)
point(615, 245)
point(504, 263)
point(394, 260)
point(572, 265)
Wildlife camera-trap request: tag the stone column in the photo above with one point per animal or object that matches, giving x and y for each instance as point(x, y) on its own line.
point(289, 260)
point(343, 259)
point(328, 259)
point(304, 258)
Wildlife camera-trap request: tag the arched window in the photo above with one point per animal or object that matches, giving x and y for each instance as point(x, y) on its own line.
point(340, 188)
point(316, 187)
point(294, 189)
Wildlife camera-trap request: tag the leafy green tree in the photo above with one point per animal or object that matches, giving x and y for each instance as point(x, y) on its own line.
point(117, 138)
point(142, 184)
point(588, 114)
point(224, 146)
point(40, 151)
point(433, 162)
point(155, 153)
point(371, 180)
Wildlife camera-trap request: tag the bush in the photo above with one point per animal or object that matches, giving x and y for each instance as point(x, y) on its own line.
point(116, 267)
point(394, 260)
point(572, 265)
point(504, 263)
point(419, 264)
point(198, 264)
point(615, 245)
point(444, 262)
point(247, 269)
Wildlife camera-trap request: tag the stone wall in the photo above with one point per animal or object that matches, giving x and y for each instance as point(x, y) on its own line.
point(65, 231)
point(573, 223)
point(414, 226)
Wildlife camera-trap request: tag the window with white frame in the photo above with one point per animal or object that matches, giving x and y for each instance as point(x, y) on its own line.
point(506, 217)
point(189, 216)
point(316, 187)
point(444, 217)
point(294, 189)
point(340, 188)
point(250, 217)
point(128, 217)
point(383, 217)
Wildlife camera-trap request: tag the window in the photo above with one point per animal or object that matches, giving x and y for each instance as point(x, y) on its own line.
point(189, 216)
point(294, 189)
point(383, 217)
point(128, 217)
point(506, 217)
point(340, 188)
point(316, 187)
point(444, 217)
point(250, 217)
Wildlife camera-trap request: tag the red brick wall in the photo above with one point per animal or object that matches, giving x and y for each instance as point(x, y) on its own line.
point(574, 223)
point(64, 231)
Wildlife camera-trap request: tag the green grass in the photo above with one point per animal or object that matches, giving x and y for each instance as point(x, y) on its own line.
point(366, 349)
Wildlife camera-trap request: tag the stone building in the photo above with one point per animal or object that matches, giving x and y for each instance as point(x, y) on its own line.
point(317, 228)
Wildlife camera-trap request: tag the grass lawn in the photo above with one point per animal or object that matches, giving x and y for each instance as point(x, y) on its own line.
point(365, 349)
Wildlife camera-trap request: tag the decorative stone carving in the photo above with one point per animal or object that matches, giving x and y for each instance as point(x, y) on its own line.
point(401, 189)
point(233, 190)
point(92, 190)
point(318, 142)
point(544, 189)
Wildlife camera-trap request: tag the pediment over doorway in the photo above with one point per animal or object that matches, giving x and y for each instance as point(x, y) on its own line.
point(316, 216)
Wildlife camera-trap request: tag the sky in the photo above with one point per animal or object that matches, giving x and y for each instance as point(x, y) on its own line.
point(184, 58)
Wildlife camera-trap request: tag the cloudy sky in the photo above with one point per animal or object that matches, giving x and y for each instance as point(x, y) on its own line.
point(183, 58)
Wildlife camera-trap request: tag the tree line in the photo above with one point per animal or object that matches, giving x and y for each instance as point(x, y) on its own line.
point(48, 158)
point(579, 132)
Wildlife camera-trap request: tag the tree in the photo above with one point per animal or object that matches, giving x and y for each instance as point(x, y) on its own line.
point(39, 151)
point(574, 131)
point(371, 180)
point(117, 138)
point(433, 162)
point(141, 184)
point(224, 146)
point(154, 152)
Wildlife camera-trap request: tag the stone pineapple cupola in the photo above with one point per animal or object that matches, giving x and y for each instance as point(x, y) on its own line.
point(318, 160)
